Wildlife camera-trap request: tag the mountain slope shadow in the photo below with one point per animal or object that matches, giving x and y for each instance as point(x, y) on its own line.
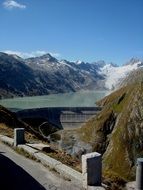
point(13, 177)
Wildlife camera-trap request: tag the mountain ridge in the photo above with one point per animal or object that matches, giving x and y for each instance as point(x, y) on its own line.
point(45, 75)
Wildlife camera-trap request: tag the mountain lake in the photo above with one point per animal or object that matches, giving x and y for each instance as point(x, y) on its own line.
point(83, 98)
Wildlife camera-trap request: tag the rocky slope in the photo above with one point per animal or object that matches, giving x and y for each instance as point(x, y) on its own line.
point(116, 132)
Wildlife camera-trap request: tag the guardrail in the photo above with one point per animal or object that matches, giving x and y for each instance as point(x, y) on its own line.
point(91, 176)
point(91, 163)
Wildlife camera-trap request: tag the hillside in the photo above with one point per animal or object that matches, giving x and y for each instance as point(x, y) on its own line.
point(9, 121)
point(116, 132)
point(17, 79)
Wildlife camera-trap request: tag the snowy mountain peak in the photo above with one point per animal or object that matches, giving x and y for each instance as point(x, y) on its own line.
point(114, 75)
point(63, 61)
point(97, 75)
point(17, 57)
point(133, 61)
point(48, 57)
point(44, 59)
point(78, 62)
point(10, 57)
point(113, 64)
point(100, 63)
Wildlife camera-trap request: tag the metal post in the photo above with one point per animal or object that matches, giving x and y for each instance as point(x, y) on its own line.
point(139, 174)
point(19, 136)
point(91, 169)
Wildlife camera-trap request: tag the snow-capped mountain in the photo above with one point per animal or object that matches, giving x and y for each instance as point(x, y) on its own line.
point(79, 75)
point(114, 75)
point(107, 75)
point(45, 75)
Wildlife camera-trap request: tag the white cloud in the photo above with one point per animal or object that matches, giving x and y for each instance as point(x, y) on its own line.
point(10, 4)
point(31, 54)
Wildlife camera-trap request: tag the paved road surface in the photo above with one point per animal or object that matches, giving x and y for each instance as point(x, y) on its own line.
point(20, 173)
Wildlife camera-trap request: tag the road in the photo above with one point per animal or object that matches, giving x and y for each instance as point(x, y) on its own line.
point(20, 173)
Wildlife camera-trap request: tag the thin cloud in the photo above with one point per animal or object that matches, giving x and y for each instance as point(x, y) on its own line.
point(10, 4)
point(31, 54)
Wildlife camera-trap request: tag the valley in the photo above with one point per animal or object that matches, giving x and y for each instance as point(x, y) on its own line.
point(45, 87)
point(71, 93)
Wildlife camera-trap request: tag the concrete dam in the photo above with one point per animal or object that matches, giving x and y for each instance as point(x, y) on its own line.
point(61, 117)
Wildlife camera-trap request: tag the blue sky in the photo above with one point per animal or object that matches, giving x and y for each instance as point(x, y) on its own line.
point(89, 30)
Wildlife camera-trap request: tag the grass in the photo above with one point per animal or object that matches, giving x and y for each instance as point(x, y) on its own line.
point(122, 151)
point(4, 130)
point(113, 181)
point(66, 159)
point(121, 144)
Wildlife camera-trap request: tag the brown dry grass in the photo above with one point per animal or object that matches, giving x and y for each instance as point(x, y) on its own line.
point(66, 159)
point(4, 130)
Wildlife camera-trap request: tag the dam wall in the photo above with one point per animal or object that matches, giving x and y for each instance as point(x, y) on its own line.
point(61, 117)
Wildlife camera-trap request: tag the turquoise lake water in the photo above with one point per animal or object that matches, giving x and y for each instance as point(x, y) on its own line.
point(73, 99)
